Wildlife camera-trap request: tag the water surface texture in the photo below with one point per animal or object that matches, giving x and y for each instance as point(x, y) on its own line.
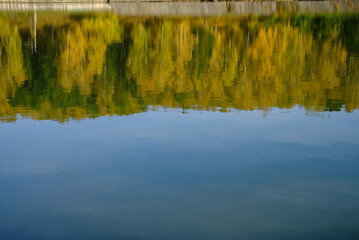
point(175, 127)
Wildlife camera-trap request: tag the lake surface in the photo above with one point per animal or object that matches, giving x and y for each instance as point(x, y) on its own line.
point(179, 127)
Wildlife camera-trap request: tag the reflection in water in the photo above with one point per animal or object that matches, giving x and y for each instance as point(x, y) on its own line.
point(163, 175)
point(64, 66)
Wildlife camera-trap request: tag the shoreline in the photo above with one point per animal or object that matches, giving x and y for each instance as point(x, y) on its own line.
point(186, 9)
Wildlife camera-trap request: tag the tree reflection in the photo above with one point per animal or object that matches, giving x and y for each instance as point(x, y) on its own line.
point(98, 64)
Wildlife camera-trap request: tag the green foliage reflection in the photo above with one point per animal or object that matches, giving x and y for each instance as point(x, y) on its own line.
point(65, 67)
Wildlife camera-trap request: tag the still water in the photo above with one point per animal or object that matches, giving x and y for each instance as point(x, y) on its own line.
point(233, 127)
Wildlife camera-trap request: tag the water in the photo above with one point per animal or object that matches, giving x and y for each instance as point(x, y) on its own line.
point(233, 127)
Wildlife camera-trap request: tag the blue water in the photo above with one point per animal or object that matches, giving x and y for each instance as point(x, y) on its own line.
point(167, 175)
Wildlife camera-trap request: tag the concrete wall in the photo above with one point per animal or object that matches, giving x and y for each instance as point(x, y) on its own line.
point(59, 7)
point(230, 8)
point(140, 8)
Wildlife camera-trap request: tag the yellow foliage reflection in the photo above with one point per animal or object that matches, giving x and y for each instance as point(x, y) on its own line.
point(82, 51)
point(12, 72)
point(95, 65)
